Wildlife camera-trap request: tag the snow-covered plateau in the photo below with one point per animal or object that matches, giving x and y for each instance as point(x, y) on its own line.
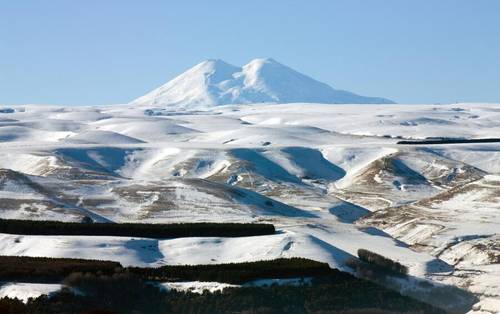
point(330, 177)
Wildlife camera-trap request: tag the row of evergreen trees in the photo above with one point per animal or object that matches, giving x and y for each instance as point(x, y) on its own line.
point(449, 141)
point(51, 270)
point(237, 272)
point(127, 293)
point(382, 262)
point(156, 231)
point(41, 269)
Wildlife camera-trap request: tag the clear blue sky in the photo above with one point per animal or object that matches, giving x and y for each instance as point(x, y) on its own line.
point(112, 51)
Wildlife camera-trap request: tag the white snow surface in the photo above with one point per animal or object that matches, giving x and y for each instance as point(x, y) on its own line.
point(330, 177)
point(212, 286)
point(215, 82)
point(24, 291)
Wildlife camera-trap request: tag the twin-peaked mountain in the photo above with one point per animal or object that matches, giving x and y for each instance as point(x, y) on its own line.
point(215, 82)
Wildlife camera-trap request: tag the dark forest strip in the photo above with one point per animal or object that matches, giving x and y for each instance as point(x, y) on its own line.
point(107, 287)
point(54, 270)
point(51, 270)
point(127, 294)
point(237, 273)
point(448, 141)
point(155, 231)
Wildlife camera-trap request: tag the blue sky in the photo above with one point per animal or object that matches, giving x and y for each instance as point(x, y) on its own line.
point(103, 52)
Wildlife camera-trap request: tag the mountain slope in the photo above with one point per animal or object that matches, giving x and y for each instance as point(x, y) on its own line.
point(215, 82)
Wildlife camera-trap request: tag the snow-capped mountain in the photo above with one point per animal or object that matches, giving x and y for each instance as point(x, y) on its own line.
point(215, 82)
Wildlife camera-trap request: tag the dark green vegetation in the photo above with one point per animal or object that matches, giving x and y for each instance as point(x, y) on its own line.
point(125, 293)
point(373, 266)
point(449, 141)
point(50, 270)
point(237, 272)
point(155, 231)
point(41, 269)
point(383, 271)
point(382, 262)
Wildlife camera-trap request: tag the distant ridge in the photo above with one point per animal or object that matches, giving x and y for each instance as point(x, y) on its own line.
point(214, 82)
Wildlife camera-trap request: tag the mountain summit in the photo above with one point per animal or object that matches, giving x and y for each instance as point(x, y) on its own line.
point(215, 82)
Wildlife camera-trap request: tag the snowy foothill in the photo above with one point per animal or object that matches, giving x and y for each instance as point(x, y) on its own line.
point(331, 177)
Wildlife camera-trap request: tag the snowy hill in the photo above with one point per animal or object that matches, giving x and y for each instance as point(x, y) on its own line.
point(215, 82)
point(329, 185)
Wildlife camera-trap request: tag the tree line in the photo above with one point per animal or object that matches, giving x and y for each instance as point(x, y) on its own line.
point(382, 262)
point(431, 141)
point(46, 269)
point(126, 293)
point(156, 231)
point(237, 273)
point(51, 270)
point(54, 270)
